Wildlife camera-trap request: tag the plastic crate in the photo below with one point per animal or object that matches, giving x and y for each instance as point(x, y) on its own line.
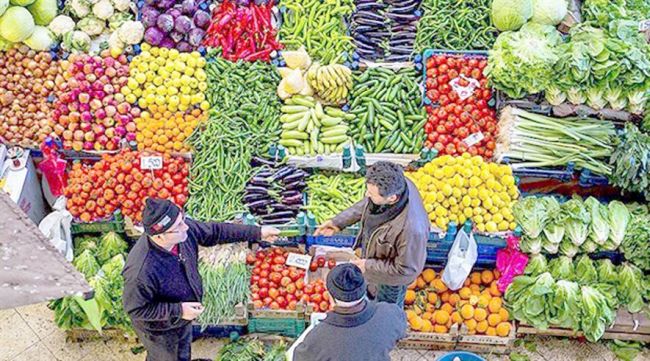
point(487, 247)
point(289, 327)
point(218, 331)
point(114, 224)
point(341, 241)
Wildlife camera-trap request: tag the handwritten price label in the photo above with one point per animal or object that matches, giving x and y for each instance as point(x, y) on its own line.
point(473, 139)
point(298, 260)
point(152, 162)
point(464, 92)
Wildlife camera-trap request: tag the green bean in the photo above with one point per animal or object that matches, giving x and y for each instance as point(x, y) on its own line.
point(327, 196)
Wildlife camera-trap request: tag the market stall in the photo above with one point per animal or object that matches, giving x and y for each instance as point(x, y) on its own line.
point(523, 124)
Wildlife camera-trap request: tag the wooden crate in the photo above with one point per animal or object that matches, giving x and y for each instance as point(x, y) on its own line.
point(269, 313)
point(626, 327)
point(486, 344)
point(83, 335)
point(431, 341)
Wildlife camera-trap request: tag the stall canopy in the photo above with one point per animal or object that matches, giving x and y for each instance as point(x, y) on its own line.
point(32, 270)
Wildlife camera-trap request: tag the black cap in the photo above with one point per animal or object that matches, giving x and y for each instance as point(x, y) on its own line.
point(346, 283)
point(159, 215)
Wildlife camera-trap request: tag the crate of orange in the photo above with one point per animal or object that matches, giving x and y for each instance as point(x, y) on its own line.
point(164, 131)
point(475, 309)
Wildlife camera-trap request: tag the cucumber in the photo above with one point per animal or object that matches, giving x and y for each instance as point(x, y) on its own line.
point(289, 118)
point(334, 140)
point(328, 121)
point(291, 143)
point(292, 109)
point(294, 134)
point(334, 133)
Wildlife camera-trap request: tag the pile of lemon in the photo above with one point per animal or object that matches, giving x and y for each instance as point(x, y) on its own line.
point(461, 188)
point(161, 76)
point(161, 130)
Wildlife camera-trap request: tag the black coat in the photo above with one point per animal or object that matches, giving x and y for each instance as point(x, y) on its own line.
point(156, 282)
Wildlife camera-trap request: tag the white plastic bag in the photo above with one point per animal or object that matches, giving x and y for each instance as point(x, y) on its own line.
point(461, 259)
point(56, 227)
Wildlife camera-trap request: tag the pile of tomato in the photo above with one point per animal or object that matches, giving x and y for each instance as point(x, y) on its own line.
point(277, 286)
point(452, 119)
point(96, 191)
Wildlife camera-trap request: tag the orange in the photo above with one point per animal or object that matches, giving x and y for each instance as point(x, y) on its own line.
point(420, 283)
point(416, 323)
point(453, 299)
point(412, 285)
point(491, 331)
point(483, 301)
point(447, 308)
point(465, 293)
point(432, 298)
point(427, 326)
point(427, 316)
point(441, 317)
point(428, 275)
point(467, 282)
point(494, 290)
point(505, 316)
point(471, 324)
point(497, 274)
point(410, 314)
point(494, 319)
point(480, 314)
point(439, 285)
point(475, 288)
point(444, 297)
point(487, 277)
point(429, 308)
point(440, 329)
point(482, 326)
point(467, 312)
point(503, 329)
point(475, 278)
point(495, 304)
point(409, 297)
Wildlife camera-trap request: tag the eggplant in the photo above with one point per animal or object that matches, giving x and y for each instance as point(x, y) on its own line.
point(403, 9)
point(260, 204)
point(253, 197)
point(401, 50)
point(290, 193)
point(282, 172)
point(370, 6)
point(258, 162)
point(259, 182)
point(410, 17)
point(256, 189)
point(370, 22)
point(379, 34)
point(278, 215)
point(401, 42)
point(286, 207)
point(296, 185)
point(296, 177)
point(293, 200)
point(277, 221)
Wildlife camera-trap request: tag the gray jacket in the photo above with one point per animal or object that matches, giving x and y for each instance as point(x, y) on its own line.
point(396, 251)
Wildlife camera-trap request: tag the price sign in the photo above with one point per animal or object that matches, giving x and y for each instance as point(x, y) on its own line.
point(298, 260)
point(473, 139)
point(644, 25)
point(152, 162)
point(464, 91)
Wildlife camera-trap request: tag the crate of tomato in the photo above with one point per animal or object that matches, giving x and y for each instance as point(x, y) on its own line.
point(457, 99)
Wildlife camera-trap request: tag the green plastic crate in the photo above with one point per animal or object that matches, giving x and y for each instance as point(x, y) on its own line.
point(289, 327)
point(115, 224)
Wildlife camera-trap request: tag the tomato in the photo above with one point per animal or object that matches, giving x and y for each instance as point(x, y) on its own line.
point(258, 304)
point(279, 251)
point(291, 288)
point(283, 291)
point(275, 277)
point(292, 305)
point(320, 260)
point(260, 255)
point(263, 282)
point(255, 279)
point(308, 289)
point(285, 273)
point(263, 292)
point(264, 273)
point(285, 281)
point(282, 302)
point(300, 284)
point(265, 266)
point(318, 288)
point(313, 266)
point(316, 297)
point(305, 298)
point(274, 305)
point(331, 263)
point(279, 260)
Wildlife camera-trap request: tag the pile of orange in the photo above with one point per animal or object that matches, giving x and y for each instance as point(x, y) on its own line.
point(431, 307)
point(161, 130)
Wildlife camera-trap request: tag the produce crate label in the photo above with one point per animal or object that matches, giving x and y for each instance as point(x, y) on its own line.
point(151, 162)
point(298, 260)
point(644, 25)
point(473, 139)
point(465, 91)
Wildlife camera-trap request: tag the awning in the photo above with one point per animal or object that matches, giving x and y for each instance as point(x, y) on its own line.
point(31, 270)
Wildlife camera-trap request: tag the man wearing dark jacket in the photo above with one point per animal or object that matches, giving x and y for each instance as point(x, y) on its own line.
point(393, 233)
point(357, 329)
point(162, 285)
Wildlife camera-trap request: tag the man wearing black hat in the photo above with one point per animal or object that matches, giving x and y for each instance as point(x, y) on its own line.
point(162, 285)
point(357, 329)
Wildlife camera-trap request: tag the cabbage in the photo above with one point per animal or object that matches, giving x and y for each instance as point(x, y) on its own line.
point(5, 45)
point(4, 4)
point(536, 265)
point(549, 12)
point(21, 2)
point(16, 24)
point(43, 11)
point(91, 25)
point(41, 39)
point(586, 271)
point(562, 268)
point(511, 14)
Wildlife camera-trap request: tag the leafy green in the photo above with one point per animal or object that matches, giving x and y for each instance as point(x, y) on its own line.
point(586, 271)
point(549, 12)
point(86, 263)
point(531, 214)
point(596, 313)
point(110, 245)
point(511, 14)
point(599, 227)
point(530, 245)
point(636, 243)
point(602, 12)
point(625, 351)
point(554, 230)
point(536, 265)
point(577, 222)
point(631, 287)
point(607, 272)
point(531, 299)
point(566, 302)
point(562, 268)
point(619, 217)
point(568, 249)
point(631, 161)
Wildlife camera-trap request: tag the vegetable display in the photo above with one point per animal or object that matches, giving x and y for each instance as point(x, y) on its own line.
point(389, 118)
point(28, 80)
point(460, 120)
point(601, 13)
point(243, 32)
point(456, 25)
point(319, 26)
point(163, 131)
point(432, 308)
point(95, 191)
point(455, 189)
point(91, 111)
point(26, 22)
point(175, 24)
point(385, 30)
point(533, 140)
point(252, 350)
point(308, 128)
point(275, 193)
point(327, 196)
point(630, 161)
point(161, 76)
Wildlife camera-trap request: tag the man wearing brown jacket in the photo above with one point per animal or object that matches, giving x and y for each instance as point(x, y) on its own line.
point(393, 233)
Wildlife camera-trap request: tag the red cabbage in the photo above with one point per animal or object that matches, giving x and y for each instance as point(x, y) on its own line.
point(201, 19)
point(176, 36)
point(183, 24)
point(167, 42)
point(184, 47)
point(166, 4)
point(174, 12)
point(195, 36)
point(153, 36)
point(165, 23)
point(149, 16)
point(188, 7)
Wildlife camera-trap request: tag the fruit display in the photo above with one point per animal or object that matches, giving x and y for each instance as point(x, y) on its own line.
point(161, 130)
point(91, 111)
point(460, 119)
point(432, 308)
point(175, 24)
point(461, 188)
point(117, 181)
point(332, 83)
point(27, 81)
point(161, 76)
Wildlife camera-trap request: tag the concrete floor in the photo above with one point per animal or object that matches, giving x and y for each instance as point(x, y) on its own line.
point(29, 334)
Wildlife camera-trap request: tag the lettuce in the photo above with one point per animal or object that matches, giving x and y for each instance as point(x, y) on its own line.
point(530, 245)
point(619, 217)
point(607, 272)
point(566, 302)
point(577, 222)
point(86, 264)
point(599, 226)
point(510, 14)
point(531, 299)
point(554, 230)
point(562, 268)
point(568, 249)
point(631, 287)
point(586, 271)
point(531, 214)
point(110, 245)
point(637, 242)
point(596, 313)
point(549, 247)
point(536, 265)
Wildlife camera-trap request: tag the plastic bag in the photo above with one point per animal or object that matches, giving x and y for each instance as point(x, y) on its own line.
point(461, 259)
point(56, 227)
point(511, 262)
point(53, 168)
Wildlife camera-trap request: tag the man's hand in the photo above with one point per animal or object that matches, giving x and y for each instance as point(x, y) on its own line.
point(191, 310)
point(327, 229)
point(270, 234)
point(361, 263)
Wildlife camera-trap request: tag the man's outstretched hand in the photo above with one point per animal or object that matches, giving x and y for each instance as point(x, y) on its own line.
point(327, 229)
point(270, 234)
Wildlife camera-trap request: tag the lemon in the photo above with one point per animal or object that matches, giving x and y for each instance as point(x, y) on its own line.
point(137, 92)
point(185, 99)
point(145, 48)
point(440, 222)
point(173, 54)
point(512, 226)
point(472, 192)
point(481, 227)
point(466, 201)
point(445, 203)
point(475, 202)
point(474, 182)
point(205, 105)
point(503, 226)
point(440, 211)
point(491, 227)
point(456, 193)
point(476, 218)
point(487, 203)
point(498, 217)
point(428, 207)
point(163, 52)
point(440, 197)
point(140, 78)
point(453, 202)
point(448, 171)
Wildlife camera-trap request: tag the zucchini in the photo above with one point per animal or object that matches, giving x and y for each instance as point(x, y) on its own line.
point(294, 134)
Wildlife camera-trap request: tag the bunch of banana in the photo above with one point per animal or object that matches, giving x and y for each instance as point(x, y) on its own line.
point(332, 83)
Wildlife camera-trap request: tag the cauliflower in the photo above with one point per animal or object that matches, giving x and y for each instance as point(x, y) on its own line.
point(78, 8)
point(103, 9)
point(131, 32)
point(118, 19)
point(76, 40)
point(61, 25)
point(121, 5)
point(91, 25)
point(114, 42)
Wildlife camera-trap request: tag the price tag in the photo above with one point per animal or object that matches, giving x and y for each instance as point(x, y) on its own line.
point(153, 162)
point(298, 260)
point(473, 139)
point(644, 25)
point(464, 92)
